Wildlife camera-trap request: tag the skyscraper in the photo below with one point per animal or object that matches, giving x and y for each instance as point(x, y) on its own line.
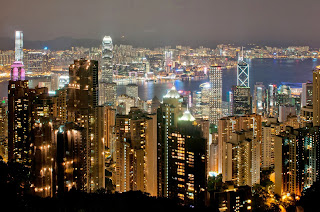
point(107, 48)
point(242, 72)
point(215, 96)
point(19, 46)
point(241, 100)
point(82, 106)
point(316, 96)
point(306, 95)
point(259, 99)
point(187, 161)
point(107, 87)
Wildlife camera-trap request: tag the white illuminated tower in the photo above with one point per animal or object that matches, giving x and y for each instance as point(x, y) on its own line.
point(242, 72)
point(19, 46)
point(215, 99)
point(107, 48)
point(107, 88)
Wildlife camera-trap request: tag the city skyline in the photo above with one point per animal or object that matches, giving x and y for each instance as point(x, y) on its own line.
point(226, 128)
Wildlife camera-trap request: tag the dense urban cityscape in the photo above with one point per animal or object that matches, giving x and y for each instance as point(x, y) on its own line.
point(117, 126)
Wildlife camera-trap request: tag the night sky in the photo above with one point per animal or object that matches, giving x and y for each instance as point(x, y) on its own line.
point(185, 21)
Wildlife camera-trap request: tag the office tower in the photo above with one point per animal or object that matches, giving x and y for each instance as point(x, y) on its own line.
point(187, 161)
point(82, 102)
point(259, 99)
point(296, 160)
point(284, 96)
point(136, 152)
point(70, 158)
point(35, 61)
point(215, 78)
point(108, 89)
point(239, 139)
point(107, 54)
point(316, 96)
point(306, 95)
point(270, 129)
point(242, 72)
point(132, 90)
point(19, 46)
point(285, 111)
point(230, 102)
point(3, 131)
point(241, 101)
point(168, 60)
point(272, 106)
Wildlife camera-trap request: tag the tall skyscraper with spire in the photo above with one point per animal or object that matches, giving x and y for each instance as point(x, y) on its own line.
point(107, 87)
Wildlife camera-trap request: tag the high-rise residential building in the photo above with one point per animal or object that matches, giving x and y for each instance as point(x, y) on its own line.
point(19, 46)
point(316, 96)
point(296, 160)
point(239, 139)
point(270, 129)
point(241, 101)
point(82, 107)
point(188, 161)
point(70, 156)
point(136, 152)
point(215, 98)
point(259, 99)
point(4, 130)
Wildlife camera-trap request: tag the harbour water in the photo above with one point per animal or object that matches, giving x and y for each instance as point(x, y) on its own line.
point(261, 70)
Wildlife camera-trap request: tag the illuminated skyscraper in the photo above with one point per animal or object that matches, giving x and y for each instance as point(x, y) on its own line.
point(82, 107)
point(215, 97)
point(306, 95)
point(187, 161)
point(107, 48)
point(259, 97)
point(241, 100)
point(19, 46)
point(107, 87)
point(242, 72)
point(316, 96)
point(239, 149)
point(136, 152)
